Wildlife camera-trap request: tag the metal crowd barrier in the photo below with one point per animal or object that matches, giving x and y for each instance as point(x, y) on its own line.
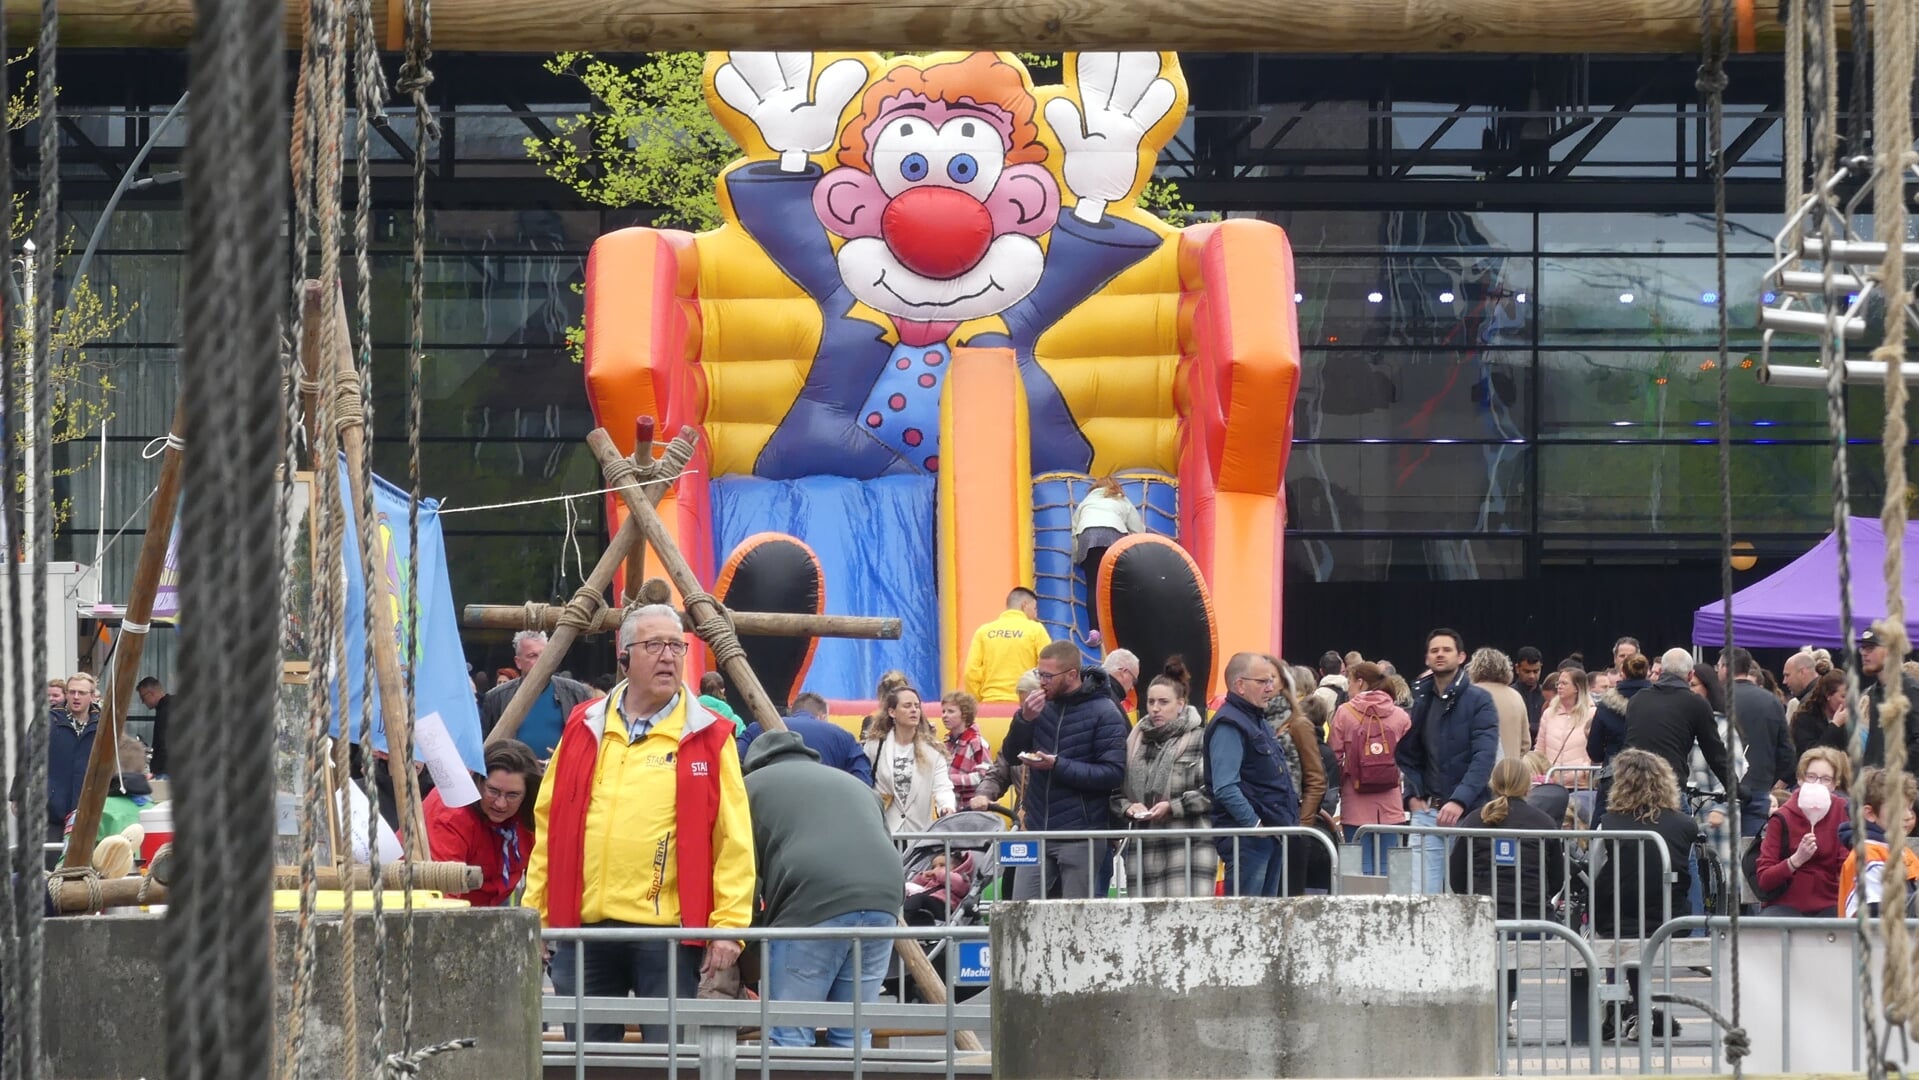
point(715, 1047)
point(1799, 983)
point(1581, 776)
point(1582, 1001)
point(1028, 851)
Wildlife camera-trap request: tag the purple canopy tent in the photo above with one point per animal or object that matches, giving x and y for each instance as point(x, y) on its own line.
point(1799, 604)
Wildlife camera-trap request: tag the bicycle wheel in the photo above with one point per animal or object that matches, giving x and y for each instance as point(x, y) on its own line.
point(1714, 890)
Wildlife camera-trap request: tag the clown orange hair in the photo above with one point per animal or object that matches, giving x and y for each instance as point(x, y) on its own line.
point(980, 79)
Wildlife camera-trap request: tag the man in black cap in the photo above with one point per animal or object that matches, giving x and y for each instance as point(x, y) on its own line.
point(1873, 658)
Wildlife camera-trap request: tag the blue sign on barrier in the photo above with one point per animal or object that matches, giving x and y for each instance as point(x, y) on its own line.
point(1505, 852)
point(975, 963)
point(1019, 853)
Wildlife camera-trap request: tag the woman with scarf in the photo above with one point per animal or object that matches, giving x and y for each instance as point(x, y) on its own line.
point(1294, 734)
point(494, 834)
point(1165, 788)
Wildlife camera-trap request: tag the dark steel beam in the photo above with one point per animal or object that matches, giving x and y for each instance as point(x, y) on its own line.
point(1432, 140)
point(1659, 195)
point(1747, 138)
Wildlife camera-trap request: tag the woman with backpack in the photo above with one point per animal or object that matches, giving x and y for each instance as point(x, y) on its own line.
point(1365, 733)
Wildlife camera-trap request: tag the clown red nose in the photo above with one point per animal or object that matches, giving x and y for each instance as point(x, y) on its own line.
point(937, 232)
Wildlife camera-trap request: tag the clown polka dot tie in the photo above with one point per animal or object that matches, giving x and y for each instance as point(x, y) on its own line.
point(903, 410)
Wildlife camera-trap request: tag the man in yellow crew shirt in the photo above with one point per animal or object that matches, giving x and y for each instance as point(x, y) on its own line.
point(1006, 648)
point(642, 821)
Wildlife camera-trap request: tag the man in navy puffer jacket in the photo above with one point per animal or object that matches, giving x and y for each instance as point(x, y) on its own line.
point(1446, 757)
point(1077, 761)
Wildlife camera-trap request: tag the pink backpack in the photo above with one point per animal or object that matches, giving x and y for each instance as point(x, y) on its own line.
point(1370, 762)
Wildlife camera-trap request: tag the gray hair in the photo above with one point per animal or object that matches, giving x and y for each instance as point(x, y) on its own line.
point(648, 611)
point(1489, 665)
point(525, 636)
point(1120, 660)
point(1676, 661)
point(1027, 683)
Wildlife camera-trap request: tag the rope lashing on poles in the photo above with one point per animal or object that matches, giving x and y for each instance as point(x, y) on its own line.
point(582, 612)
point(715, 629)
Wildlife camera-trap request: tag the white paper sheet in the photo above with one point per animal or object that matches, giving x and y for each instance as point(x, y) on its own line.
point(434, 745)
point(357, 818)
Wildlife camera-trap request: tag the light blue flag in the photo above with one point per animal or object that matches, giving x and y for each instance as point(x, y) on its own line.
point(440, 669)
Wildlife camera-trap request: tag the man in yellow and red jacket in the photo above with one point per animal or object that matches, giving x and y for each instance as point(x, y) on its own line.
point(642, 821)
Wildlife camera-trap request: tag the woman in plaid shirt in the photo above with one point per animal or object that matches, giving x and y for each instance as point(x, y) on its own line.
point(970, 754)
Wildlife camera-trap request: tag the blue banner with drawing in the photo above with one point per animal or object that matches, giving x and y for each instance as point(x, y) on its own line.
point(439, 663)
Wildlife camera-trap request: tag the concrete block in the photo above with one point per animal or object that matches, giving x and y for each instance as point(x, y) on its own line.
point(1359, 986)
point(476, 973)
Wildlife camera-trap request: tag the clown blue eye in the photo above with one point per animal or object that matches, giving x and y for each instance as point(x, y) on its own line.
point(962, 168)
point(913, 167)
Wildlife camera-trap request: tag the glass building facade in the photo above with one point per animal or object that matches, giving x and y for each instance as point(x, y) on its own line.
point(1507, 303)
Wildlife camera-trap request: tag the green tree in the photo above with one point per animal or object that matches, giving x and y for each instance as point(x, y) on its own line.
point(82, 387)
point(650, 140)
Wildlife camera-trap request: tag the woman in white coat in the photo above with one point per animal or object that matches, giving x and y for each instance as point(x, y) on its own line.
point(1103, 518)
point(909, 764)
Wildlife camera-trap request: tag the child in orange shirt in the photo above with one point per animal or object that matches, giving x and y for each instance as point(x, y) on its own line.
point(1880, 801)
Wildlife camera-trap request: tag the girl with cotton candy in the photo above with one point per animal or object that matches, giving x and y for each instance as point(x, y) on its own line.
point(1800, 851)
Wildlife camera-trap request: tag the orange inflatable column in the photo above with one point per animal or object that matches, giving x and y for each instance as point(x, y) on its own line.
point(1239, 379)
point(642, 359)
point(985, 498)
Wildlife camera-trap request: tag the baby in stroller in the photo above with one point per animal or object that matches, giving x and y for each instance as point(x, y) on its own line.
point(934, 894)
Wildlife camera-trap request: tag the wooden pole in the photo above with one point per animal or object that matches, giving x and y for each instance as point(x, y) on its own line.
point(133, 642)
point(932, 987)
point(532, 683)
point(379, 594)
point(746, 623)
point(313, 304)
point(444, 877)
point(1283, 26)
point(739, 674)
point(71, 896)
point(644, 448)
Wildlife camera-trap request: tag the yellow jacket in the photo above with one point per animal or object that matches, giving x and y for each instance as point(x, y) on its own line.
point(630, 863)
point(1002, 651)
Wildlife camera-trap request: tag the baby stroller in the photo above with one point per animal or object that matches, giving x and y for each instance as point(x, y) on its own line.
point(946, 879)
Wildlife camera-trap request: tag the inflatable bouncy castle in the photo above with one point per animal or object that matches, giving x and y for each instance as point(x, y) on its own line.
point(935, 314)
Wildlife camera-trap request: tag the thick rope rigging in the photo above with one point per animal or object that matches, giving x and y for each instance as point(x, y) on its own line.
point(416, 76)
point(1715, 45)
point(31, 750)
point(1892, 143)
point(16, 701)
point(293, 385)
point(369, 93)
point(218, 977)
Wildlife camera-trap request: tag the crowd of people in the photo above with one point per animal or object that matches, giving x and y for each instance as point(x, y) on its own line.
point(655, 806)
point(711, 815)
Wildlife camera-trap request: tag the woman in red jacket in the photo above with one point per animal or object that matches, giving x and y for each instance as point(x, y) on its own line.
point(494, 834)
point(1800, 854)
